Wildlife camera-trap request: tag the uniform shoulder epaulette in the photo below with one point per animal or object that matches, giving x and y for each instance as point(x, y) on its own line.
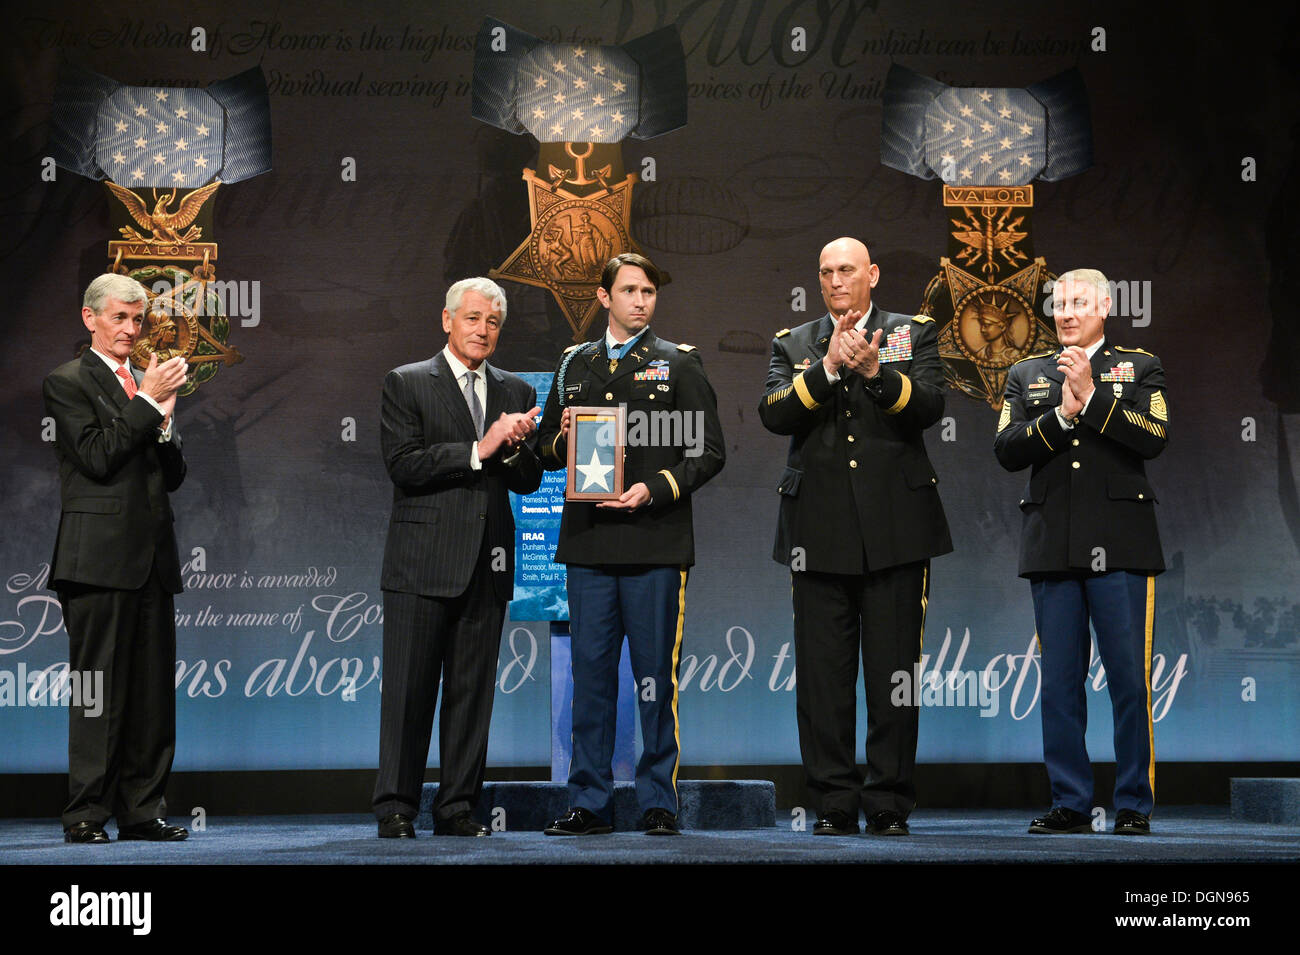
point(782, 333)
point(572, 347)
point(686, 348)
point(1041, 354)
point(922, 318)
point(1140, 351)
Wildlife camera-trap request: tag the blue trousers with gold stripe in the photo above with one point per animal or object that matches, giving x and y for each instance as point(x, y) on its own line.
point(648, 604)
point(1121, 606)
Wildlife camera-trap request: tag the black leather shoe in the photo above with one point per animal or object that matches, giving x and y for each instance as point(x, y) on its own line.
point(1060, 821)
point(155, 830)
point(1130, 822)
point(659, 822)
point(887, 822)
point(836, 823)
point(86, 833)
point(396, 826)
point(459, 825)
point(579, 822)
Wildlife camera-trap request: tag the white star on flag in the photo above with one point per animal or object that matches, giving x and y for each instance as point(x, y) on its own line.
point(181, 144)
point(120, 126)
point(988, 132)
point(160, 95)
point(182, 113)
point(118, 158)
point(595, 473)
point(591, 93)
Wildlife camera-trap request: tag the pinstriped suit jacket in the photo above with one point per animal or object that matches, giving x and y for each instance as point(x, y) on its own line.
point(440, 504)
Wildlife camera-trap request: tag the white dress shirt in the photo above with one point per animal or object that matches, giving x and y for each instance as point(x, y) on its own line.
point(459, 369)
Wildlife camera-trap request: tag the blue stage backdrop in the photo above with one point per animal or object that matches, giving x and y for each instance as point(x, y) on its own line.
point(384, 189)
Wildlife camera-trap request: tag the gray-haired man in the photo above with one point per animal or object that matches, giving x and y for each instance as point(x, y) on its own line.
point(116, 568)
point(457, 434)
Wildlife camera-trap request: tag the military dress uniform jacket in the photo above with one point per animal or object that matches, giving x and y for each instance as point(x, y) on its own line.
point(858, 484)
point(1088, 487)
point(662, 532)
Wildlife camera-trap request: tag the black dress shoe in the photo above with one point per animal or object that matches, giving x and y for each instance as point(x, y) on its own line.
point(154, 830)
point(1060, 821)
point(1130, 822)
point(459, 825)
point(887, 822)
point(659, 822)
point(396, 826)
point(579, 822)
point(86, 833)
point(836, 823)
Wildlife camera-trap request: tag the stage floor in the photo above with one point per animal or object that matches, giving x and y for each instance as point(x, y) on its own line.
point(1182, 835)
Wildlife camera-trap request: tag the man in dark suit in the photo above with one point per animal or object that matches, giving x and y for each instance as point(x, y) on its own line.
point(455, 436)
point(1084, 419)
point(627, 559)
point(860, 519)
point(115, 566)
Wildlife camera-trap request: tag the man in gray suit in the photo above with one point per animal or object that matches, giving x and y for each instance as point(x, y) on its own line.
point(457, 434)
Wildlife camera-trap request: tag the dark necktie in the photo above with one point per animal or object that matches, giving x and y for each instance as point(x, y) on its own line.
point(475, 409)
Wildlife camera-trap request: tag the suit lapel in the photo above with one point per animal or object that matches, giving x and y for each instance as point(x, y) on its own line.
point(108, 382)
point(447, 390)
point(496, 395)
point(822, 338)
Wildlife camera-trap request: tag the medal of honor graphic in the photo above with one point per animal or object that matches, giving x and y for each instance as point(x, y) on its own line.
point(991, 293)
point(163, 153)
point(580, 102)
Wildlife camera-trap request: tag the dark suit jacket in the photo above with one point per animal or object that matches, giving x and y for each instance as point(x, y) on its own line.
point(662, 533)
point(1088, 486)
point(114, 478)
point(858, 492)
point(440, 503)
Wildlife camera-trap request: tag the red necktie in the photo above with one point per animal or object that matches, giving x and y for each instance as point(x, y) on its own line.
point(127, 382)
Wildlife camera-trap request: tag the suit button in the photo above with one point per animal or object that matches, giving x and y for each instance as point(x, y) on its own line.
point(1075, 442)
point(609, 396)
point(851, 439)
point(1075, 465)
point(482, 517)
point(853, 464)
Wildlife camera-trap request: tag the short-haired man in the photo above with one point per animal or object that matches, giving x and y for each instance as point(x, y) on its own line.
point(116, 567)
point(628, 559)
point(455, 433)
point(1085, 419)
point(860, 519)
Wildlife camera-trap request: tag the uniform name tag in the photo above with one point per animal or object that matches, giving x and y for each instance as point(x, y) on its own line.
point(898, 345)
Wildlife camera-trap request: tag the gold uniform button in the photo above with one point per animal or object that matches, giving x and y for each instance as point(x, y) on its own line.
point(1139, 497)
point(1075, 442)
point(852, 439)
point(652, 397)
point(1075, 465)
point(853, 464)
point(609, 396)
point(848, 414)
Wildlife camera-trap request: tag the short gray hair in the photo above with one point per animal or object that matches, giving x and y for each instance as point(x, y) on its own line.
point(485, 287)
point(1091, 277)
point(112, 285)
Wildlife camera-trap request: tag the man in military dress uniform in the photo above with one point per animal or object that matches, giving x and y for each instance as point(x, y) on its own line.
point(1085, 418)
point(860, 519)
point(627, 559)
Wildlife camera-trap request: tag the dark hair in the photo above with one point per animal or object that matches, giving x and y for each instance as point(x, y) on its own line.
point(628, 258)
